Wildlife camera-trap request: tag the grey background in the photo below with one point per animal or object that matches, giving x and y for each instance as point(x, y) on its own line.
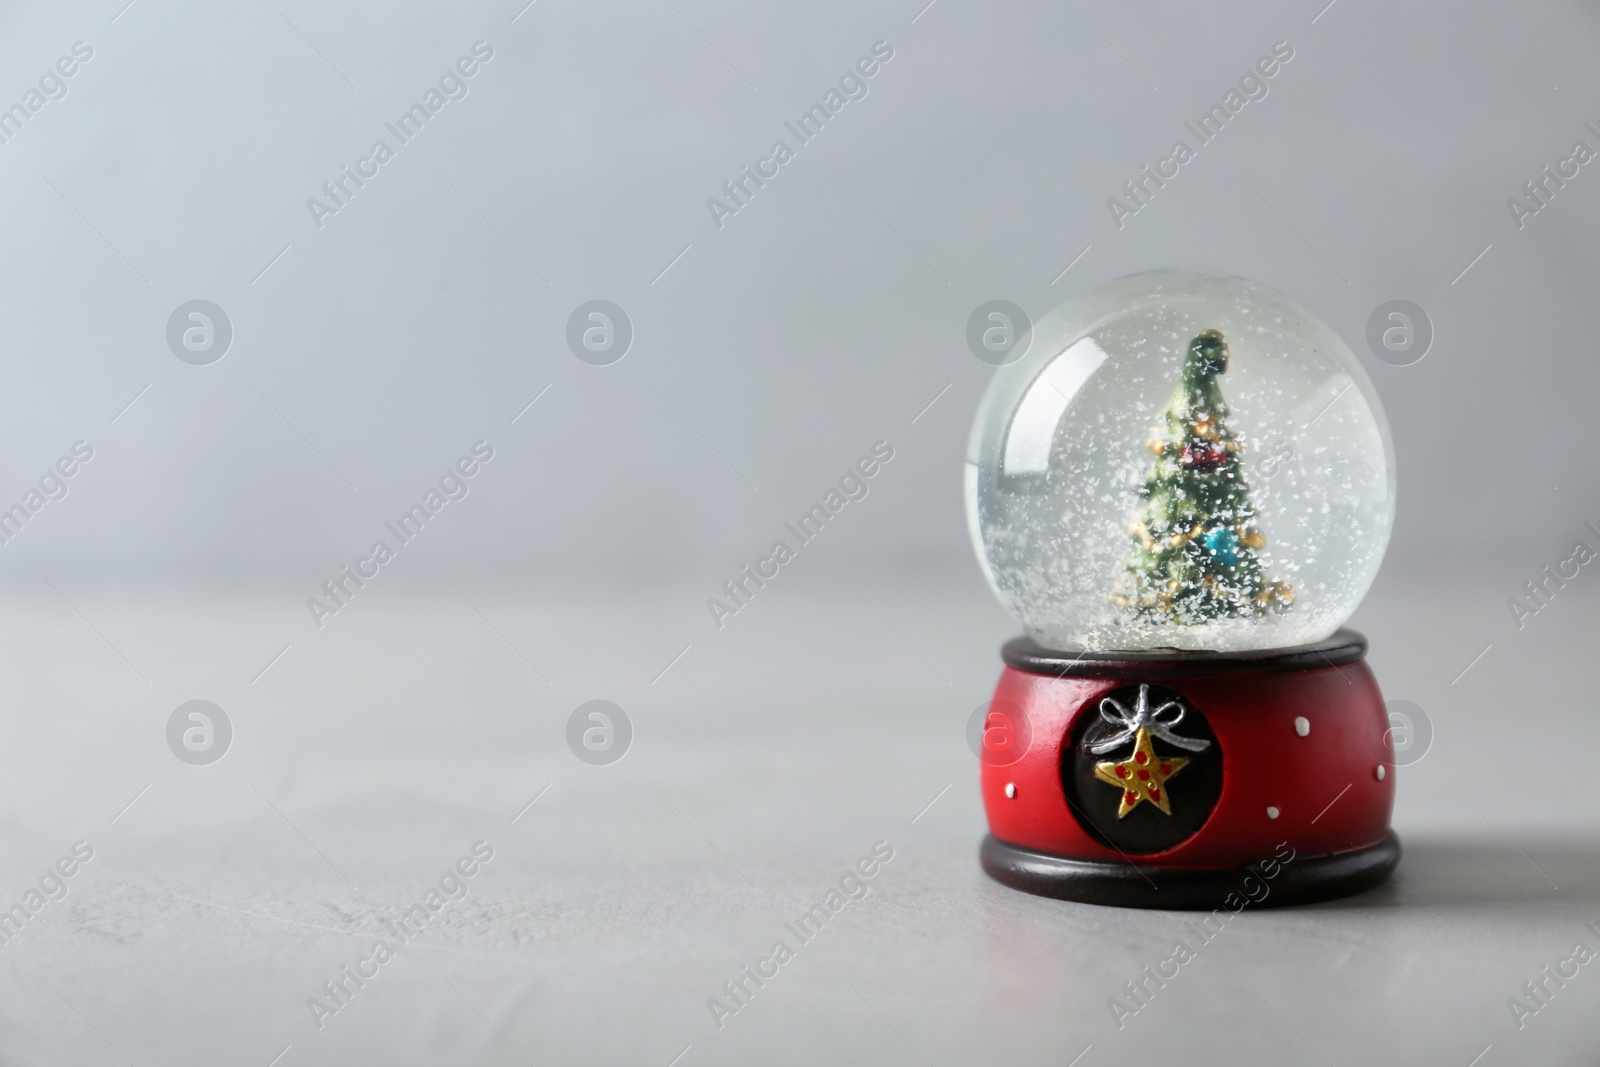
point(768, 355)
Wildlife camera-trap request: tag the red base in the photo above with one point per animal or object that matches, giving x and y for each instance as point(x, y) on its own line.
point(1326, 792)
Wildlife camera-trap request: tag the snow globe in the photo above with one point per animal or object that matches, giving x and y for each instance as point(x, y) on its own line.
point(1182, 491)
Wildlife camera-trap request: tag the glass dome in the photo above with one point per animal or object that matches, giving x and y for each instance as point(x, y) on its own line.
point(1180, 460)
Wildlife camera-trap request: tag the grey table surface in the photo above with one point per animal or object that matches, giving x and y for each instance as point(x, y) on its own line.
point(766, 759)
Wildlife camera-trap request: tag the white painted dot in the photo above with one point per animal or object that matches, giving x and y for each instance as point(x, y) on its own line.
point(1272, 812)
point(1011, 787)
point(1381, 772)
point(1302, 725)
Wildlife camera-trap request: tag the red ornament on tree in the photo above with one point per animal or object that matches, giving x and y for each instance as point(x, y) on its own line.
point(1207, 455)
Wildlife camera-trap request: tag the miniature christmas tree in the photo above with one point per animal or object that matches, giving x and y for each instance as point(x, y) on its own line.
point(1195, 541)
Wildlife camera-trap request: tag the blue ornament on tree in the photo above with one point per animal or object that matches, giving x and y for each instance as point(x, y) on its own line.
point(1223, 544)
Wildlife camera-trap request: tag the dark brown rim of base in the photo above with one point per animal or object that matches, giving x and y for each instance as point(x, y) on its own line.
point(1026, 654)
point(1302, 880)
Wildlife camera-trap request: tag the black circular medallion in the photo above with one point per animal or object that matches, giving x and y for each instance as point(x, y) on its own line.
point(1157, 774)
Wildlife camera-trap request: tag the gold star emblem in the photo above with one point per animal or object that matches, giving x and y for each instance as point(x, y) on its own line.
point(1142, 776)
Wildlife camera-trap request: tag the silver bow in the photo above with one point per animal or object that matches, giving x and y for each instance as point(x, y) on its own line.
point(1129, 723)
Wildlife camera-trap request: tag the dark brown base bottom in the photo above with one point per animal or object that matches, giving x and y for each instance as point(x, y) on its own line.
point(1303, 880)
